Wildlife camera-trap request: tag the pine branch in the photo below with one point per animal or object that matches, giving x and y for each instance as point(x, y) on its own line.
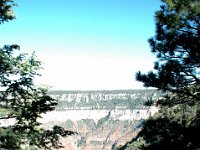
point(193, 76)
point(7, 117)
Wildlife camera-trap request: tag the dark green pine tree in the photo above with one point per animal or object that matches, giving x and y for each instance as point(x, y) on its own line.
point(177, 47)
point(22, 101)
point(177, 72)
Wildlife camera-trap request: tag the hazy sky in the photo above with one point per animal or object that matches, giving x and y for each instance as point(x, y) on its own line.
point(85, 44)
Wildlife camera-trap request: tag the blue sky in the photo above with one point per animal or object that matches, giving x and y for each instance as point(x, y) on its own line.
point(85, 44)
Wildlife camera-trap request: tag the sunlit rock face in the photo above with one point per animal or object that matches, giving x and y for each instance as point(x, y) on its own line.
point(102, 119)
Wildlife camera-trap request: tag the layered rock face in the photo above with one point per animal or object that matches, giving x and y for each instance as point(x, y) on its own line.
point(102, 119)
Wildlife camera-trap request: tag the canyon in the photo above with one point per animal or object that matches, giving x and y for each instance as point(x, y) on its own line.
point(101, 119)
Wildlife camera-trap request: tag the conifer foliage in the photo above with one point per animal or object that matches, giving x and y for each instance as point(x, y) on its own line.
point(176, 45)
point(177, 72)
point(21, 102)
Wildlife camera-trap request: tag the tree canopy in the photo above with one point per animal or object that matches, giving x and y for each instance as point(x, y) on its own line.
point(176, 45)
point(176, 72)
point(6, 10)
point(22, 103)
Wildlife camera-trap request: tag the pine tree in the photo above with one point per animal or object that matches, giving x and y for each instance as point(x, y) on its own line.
point(177, 47)
point(21, 101)
point(177, 72)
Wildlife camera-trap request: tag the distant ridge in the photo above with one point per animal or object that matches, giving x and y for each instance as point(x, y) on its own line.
point(99, 91)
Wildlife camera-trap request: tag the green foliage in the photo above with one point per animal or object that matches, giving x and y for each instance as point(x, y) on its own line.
point(21, 100)
point(6, 10)
point(9, 139)
point(96, 143)
point(90, 123)
point(69, 124)
point(132, 99)
point(102, 121)
point(177, 47)
point(174, 128)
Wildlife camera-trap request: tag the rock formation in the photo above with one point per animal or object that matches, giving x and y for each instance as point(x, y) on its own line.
point(102, 119)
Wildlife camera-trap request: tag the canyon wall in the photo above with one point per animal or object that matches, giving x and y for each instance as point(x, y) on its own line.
point(102, 119)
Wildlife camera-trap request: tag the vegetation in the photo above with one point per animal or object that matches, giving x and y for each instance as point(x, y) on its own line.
point(109, 100)
point(21, 100)
point(177, 71)
point(90, 123)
